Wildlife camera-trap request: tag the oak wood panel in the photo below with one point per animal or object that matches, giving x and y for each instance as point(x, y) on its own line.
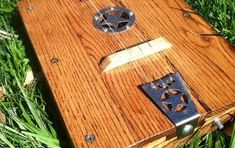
point(109, 105)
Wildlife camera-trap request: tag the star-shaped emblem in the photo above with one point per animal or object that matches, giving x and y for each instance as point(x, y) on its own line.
point(172, 101)
point(114, 19)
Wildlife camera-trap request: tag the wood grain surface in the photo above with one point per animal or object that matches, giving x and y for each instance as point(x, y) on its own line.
point(110, 105)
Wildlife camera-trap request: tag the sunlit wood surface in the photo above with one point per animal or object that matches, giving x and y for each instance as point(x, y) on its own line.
point(110, 105)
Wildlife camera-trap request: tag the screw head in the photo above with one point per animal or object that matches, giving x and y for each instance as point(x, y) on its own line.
point(90, 138)
point(105, 29)
point(54, 60)
point(165, 86)
point(186, 14)
point(30, 8)
point(111, 8)
point(131, 13)
point(172, 79)
point(96, 17)
point(153, 86)
point(127, 26)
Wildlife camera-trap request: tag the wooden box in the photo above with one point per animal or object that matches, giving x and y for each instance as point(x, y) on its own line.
point(110, 106)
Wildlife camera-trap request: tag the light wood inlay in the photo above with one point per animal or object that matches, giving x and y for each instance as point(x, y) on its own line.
point(134, 53)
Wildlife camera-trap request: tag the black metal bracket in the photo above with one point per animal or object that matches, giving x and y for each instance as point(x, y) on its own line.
point(172, 97)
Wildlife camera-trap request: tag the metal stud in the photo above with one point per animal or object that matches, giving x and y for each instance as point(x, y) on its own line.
point(90, 138)
point(165, 86)
point(54, 60)
point(127, 26)
point(96, 17)
point(105, 29)
point(111, 8)
point(186, 14)
point(218, 123)
point(172, 79)
point(153, 86)
point(30, 8)
point(131, 13)
point(187, 129)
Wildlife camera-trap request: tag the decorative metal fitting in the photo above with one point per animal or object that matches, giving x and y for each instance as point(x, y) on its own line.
point(172, 97)
point(114, 19)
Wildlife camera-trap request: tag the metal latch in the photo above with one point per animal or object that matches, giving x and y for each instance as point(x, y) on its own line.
point(172, 97)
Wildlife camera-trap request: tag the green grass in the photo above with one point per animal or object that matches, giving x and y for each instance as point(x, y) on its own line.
point(216, 139)
point(27, 123)
point(220, 13)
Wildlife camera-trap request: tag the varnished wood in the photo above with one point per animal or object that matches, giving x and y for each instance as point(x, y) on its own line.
point(110, 105)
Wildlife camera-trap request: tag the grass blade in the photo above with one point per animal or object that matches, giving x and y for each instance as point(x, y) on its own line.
point(232, 144)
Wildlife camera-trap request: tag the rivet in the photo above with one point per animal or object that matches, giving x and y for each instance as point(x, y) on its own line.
point(131, 13)
point(30, 8)
point(111, 8)
point(153, 86)
point(218, 123)
point(186, 14)
point(105, 29)
point(187, 129)
point(54, 60)
point(90, 138)
point(96, 17)
point(165, 86)
point(172, 79)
